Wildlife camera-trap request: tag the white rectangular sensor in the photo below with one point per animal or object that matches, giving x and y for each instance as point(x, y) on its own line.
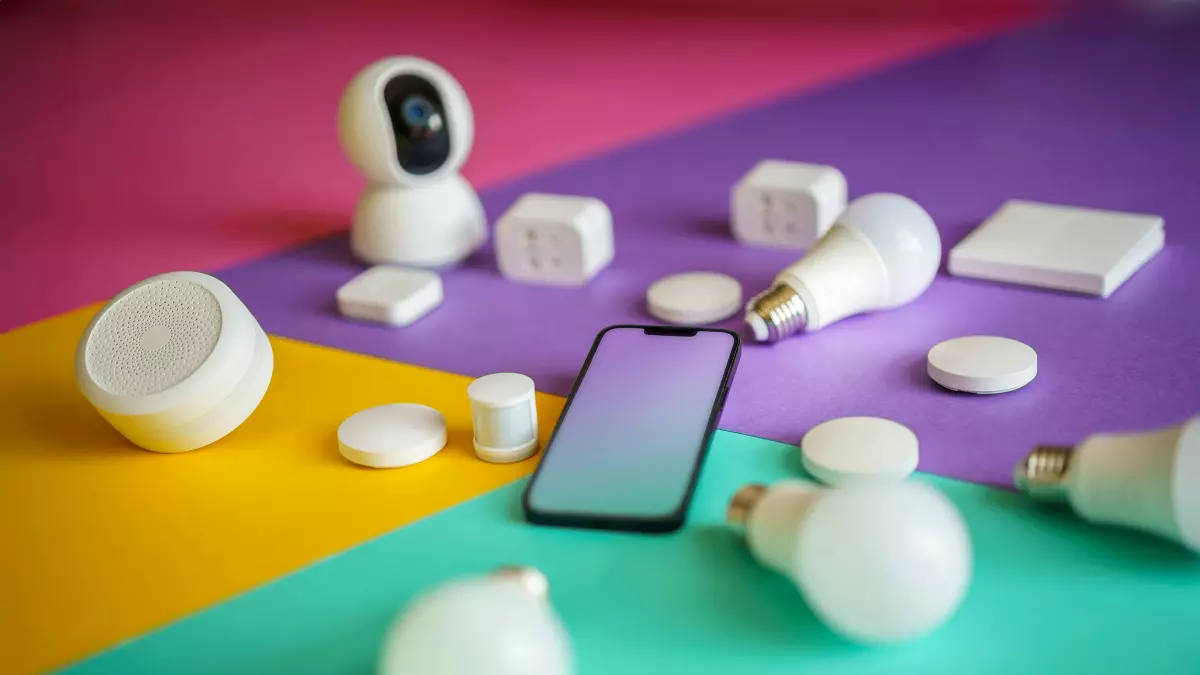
point(1059, 247)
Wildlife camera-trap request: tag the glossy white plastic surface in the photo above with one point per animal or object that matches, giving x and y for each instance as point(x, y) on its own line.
point(434, 225)
point(365, 128)
point(850, 449)
point(882, 252)
point(433, 219)
point(877, 561)
point(393, 435)
point(694, 298)
point(477, 626)
point(1148, 481)
point(982, 364)
point(884, 562)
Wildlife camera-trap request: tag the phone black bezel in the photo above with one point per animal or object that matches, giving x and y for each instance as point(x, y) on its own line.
point(675, 520)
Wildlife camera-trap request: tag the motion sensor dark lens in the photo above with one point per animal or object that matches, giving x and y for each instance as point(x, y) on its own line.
point(418, 124)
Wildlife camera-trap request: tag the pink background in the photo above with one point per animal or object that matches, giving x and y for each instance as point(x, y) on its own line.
point(139, 139)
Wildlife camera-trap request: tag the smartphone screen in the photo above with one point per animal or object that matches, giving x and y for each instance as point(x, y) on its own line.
point(630, 441)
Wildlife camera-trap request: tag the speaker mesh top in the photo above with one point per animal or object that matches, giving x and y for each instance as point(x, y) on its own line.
point(153, 338)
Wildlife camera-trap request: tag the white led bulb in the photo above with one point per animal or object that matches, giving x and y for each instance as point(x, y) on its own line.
point(1148, 481)
point(499, 624)
point(878, 562)
point(882, 252)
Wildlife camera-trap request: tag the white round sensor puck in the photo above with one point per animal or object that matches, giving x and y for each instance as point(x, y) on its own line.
point(389, 436)
point(694, 298)
point(982, 364)
point(854, 448)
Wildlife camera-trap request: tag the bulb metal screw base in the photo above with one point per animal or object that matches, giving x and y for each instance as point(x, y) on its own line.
point(530, 579)
point(776, 313)
point(1043, 473)
point(743, 503)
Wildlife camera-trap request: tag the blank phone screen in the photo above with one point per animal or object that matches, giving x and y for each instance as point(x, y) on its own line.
point(634, 430)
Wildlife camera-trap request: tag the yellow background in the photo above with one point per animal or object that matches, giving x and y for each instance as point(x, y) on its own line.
point(103, 541)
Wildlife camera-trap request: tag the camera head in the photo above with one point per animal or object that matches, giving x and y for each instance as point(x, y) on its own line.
point(405, 121)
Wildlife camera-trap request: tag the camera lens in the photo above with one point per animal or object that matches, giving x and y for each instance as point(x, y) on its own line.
point(419, 124)
point(420, 115)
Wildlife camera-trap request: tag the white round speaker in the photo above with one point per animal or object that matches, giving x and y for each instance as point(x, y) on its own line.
point(174, 362)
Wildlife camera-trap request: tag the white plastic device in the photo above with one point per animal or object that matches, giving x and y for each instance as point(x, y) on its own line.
point(782, 204)
point(501, 624)
point(558, 240)
point(848, 449)
point(982, 364)
point(396, 296)
point(407, 125)
point(504, 416)
point(878, 562)
point(882, 252)
point(174, 362)
point(392, 435)
point(1058, 247)
point(1147, 480)
point(694, 298)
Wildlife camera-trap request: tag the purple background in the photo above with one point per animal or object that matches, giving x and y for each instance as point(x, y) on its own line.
point(1098, 112)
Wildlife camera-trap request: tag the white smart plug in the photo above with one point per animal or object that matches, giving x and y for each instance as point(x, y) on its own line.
point(557, 240)
point(786, 204)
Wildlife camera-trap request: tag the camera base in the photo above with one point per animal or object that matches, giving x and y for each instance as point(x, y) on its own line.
point(429, 226)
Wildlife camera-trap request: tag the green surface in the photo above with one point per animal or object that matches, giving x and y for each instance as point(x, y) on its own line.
point(1051, 595)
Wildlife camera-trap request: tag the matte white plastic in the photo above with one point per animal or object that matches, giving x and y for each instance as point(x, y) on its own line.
point(789, 205)
point(393, 435)
point(1058, 247)
point(558, 240)
point(174, 362)
point(982, 364)
point(884, 562)
point(883, 252)
point(434, 225)
point(694, 298)
point(1148, 481)
point(775, 520)
point(365, 128)
point(504, 416)
point(477, 625)
point(877, 561)
point(427, 220)
point(848, 449)
point(392, 295)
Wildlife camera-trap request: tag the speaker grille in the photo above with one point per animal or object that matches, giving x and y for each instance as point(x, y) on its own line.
point(153, 338)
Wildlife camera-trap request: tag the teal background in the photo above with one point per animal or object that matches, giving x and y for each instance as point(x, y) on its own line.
point(1051, 595)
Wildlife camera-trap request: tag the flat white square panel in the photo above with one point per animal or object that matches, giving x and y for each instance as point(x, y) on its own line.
point(1059, 247)
point(393, 295)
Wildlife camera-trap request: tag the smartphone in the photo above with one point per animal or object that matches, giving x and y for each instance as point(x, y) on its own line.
point(628, 446)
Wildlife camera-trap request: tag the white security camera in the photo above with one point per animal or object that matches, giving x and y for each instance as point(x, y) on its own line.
point(407, 125)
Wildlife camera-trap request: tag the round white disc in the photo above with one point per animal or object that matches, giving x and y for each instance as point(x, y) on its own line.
point(389, 436)
point(852, 448)
point(982, 364)
point(694, 298)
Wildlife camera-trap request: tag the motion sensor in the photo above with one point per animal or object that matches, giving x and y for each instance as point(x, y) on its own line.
point(407, 125)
